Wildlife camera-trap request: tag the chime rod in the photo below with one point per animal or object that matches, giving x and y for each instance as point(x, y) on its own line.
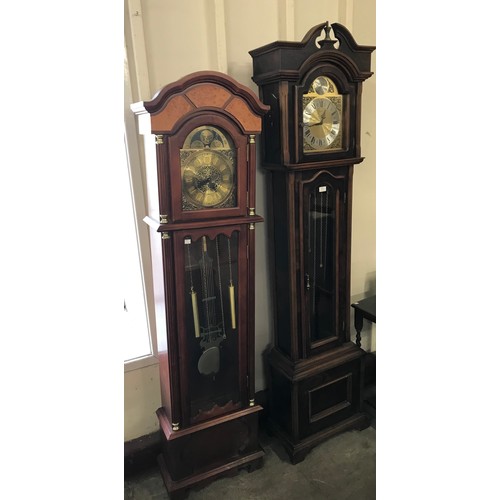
point(194, 296)
point(231, 288)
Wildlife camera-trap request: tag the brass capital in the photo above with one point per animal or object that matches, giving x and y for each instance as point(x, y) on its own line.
point(159, 139)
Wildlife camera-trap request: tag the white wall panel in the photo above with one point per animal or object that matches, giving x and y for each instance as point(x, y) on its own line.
point(248, 25)
point(179, 39)
point(311, 13)
point(364, 200)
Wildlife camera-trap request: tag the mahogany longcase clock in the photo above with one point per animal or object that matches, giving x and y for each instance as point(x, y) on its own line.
point(200, 153)
point(311, 142)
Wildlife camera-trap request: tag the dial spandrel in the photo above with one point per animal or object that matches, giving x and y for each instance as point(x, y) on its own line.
point(208, 170)
point(322, 116)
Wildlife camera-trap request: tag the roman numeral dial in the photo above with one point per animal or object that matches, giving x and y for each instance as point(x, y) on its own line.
point(321, 116)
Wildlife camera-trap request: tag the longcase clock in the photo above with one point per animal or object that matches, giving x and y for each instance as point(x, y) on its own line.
point(311, 143)
point(200, 160)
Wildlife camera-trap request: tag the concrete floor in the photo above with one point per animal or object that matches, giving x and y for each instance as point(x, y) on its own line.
point(342, 468)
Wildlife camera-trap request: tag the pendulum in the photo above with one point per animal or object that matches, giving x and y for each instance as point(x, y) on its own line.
point(221, 300)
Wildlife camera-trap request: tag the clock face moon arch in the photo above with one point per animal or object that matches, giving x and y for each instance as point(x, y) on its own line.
point(208, 169)
point(322, 116)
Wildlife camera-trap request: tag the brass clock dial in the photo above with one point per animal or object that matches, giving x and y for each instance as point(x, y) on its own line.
point(207, 179)
point(322, 116)
point(208, 170)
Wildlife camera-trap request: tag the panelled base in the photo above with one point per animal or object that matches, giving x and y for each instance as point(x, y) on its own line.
point(298, 450)
point(316, 398)
point(197, 455)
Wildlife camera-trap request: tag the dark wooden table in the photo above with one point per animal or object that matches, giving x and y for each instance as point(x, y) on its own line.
point(364, 309)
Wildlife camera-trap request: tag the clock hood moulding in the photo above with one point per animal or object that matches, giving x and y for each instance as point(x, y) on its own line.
point(285, 58)
point(196, 92)
point(305, 130)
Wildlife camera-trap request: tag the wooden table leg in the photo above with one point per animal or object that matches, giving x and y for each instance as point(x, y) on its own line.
point(358, 325)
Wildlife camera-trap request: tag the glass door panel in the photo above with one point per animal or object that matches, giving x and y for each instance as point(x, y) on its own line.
point(320, 260)
point(211, 298)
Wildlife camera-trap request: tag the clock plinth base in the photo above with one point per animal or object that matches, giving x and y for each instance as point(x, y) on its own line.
point(297, 451)
point(314, 399)
point(193, 457)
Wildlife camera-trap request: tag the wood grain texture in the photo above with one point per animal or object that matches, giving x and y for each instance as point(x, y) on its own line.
point(208, 94)
point(165, 120)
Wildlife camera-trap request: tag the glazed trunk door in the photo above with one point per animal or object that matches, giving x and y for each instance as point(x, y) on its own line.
point(212, 322)
point(321, 206)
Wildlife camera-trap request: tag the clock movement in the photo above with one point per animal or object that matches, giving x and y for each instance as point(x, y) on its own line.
point(199, 135)
point(311, 143)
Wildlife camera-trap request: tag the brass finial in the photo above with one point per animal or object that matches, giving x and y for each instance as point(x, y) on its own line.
point(327, 41)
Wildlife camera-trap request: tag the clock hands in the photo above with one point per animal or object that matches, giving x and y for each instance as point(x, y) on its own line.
point(209, 182)
point(313, 124)
point(207, 178)
point(204, 182)
point(321, 114)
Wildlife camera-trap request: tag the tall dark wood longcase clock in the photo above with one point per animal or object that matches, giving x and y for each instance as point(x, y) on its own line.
point(311, 142)
point(199, 137)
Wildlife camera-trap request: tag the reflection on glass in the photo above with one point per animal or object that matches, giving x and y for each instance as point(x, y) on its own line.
point(211, 278)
